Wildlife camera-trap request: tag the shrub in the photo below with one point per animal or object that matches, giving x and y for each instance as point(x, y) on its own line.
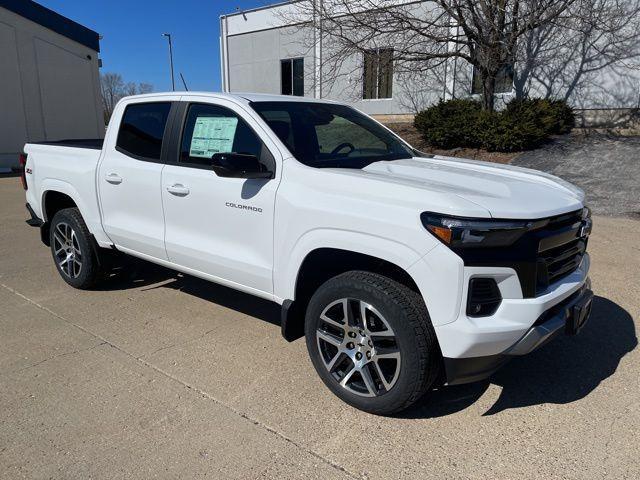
point(554, 116)
point(522, 125)
point(450, 124)
point(500, 132)
point(564, 115)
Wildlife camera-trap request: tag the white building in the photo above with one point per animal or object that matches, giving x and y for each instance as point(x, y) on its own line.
point(49, 80)
point(264, 50)
point(262, 53)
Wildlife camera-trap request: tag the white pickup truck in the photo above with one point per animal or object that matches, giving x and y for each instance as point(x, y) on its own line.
point(404, 271)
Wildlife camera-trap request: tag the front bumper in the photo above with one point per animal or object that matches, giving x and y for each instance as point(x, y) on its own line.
point(568, 317)
point(473, 348)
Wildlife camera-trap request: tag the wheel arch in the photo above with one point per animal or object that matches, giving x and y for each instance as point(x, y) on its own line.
point(323, 263)
point(53, 201)
point(57, 195)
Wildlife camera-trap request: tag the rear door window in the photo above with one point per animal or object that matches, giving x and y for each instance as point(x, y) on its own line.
point(142, 130)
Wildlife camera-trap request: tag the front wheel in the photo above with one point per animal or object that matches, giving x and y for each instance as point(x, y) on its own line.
point(72, 249)
point(371, 341)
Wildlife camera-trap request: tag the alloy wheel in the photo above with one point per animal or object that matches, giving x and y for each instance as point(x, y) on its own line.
point(66, 250)
point(358, 347)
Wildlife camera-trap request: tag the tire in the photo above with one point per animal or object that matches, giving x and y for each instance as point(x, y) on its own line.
point(73, 249)
point(391, 360)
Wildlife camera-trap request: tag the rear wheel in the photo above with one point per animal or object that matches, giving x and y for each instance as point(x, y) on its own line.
point(72, 249)
point(371, 341)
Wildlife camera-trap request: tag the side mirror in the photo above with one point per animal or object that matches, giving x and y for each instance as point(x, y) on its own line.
point(238, 165)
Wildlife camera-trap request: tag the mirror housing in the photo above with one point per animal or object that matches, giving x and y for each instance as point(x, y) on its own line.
point(238, 165)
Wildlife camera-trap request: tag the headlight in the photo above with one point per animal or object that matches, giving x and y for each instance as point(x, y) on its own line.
point(473, 232)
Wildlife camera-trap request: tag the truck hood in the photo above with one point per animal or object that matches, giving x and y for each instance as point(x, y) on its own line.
point(505, 191)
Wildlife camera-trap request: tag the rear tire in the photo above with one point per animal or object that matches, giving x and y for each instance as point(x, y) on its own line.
point(382, 363)
point(73, 249)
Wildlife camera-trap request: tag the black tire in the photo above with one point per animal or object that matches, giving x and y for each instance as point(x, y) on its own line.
point(85, 275)
point(404, 312)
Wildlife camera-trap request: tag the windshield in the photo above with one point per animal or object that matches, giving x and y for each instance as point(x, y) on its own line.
point(325, 135)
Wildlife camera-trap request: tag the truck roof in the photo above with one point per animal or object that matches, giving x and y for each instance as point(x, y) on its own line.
point(242, 97)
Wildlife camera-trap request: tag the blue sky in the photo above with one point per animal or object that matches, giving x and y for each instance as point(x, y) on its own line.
point(132, 44)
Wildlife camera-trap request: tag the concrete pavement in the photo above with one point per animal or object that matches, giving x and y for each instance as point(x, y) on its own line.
point(160, 375)
point(605, 166)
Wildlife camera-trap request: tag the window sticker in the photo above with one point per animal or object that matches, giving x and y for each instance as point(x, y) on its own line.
point(212, 135)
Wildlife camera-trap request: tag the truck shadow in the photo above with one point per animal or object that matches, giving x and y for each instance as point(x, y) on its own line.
point(563, 371)
point(149, 276)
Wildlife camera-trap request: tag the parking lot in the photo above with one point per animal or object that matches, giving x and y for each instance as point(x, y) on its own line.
point(604, 165)
point(164, 375)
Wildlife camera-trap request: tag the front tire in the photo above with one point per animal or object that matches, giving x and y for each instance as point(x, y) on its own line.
point(371, 341)
point(73, 250)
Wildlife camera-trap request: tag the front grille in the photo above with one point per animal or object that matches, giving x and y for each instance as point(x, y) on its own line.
point(560, 250)
point(551, 250)
point(558, 262)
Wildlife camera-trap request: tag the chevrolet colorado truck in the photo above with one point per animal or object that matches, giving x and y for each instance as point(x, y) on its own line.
point(404, 271)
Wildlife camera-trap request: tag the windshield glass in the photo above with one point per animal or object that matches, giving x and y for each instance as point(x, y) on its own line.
point(325, 135)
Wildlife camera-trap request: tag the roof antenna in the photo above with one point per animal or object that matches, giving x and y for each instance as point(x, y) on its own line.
point(183, 82)
point(242, 12)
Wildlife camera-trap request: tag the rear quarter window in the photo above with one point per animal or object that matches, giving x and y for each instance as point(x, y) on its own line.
point(142, 129)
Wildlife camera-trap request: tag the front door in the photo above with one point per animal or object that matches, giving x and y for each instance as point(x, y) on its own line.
point(221, 227)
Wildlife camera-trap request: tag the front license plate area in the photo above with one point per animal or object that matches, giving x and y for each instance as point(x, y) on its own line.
point(578, 313)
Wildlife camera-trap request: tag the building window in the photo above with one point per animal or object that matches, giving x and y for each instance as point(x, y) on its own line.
point(292, 76)
point(504, 81)
point(378, 73)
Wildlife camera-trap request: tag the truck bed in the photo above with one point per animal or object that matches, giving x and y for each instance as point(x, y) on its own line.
point(68, 167)
point(90, 143)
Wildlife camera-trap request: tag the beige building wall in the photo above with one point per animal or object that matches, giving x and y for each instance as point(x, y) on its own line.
point(49, 87)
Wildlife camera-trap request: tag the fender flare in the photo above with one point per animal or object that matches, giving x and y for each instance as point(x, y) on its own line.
point(392, 251)
point(94, 223)
point(60, 186)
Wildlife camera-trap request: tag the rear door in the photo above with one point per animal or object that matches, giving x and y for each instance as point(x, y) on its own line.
point(129, 179)
point(222, 227)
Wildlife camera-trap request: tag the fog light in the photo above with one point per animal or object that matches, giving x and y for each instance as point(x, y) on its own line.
point(483, 298)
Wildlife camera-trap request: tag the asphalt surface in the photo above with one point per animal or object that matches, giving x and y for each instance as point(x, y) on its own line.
point(605, 166)
point(159, 375)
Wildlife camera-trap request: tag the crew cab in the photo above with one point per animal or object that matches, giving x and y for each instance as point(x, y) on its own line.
point(404, 271)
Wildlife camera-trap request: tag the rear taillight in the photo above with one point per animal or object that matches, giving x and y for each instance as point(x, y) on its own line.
point(23, 167)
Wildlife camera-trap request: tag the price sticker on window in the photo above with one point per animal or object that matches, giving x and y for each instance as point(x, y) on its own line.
point(212, 135)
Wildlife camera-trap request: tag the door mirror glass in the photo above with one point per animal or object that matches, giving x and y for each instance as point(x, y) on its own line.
point(239, 165)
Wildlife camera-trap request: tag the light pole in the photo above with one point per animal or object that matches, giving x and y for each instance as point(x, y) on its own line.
point(173, 82)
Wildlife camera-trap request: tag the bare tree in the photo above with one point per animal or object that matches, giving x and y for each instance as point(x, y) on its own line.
point(564, 59)
point(424, 35)
point(113, 88)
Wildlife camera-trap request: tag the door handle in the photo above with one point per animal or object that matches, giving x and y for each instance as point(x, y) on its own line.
point(114, 178)
point(178, 190)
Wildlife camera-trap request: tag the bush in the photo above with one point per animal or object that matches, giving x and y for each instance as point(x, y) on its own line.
point(522, 125)
point(500, 132)
point(564, 115)
point(450, 124)
point(554, 116)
